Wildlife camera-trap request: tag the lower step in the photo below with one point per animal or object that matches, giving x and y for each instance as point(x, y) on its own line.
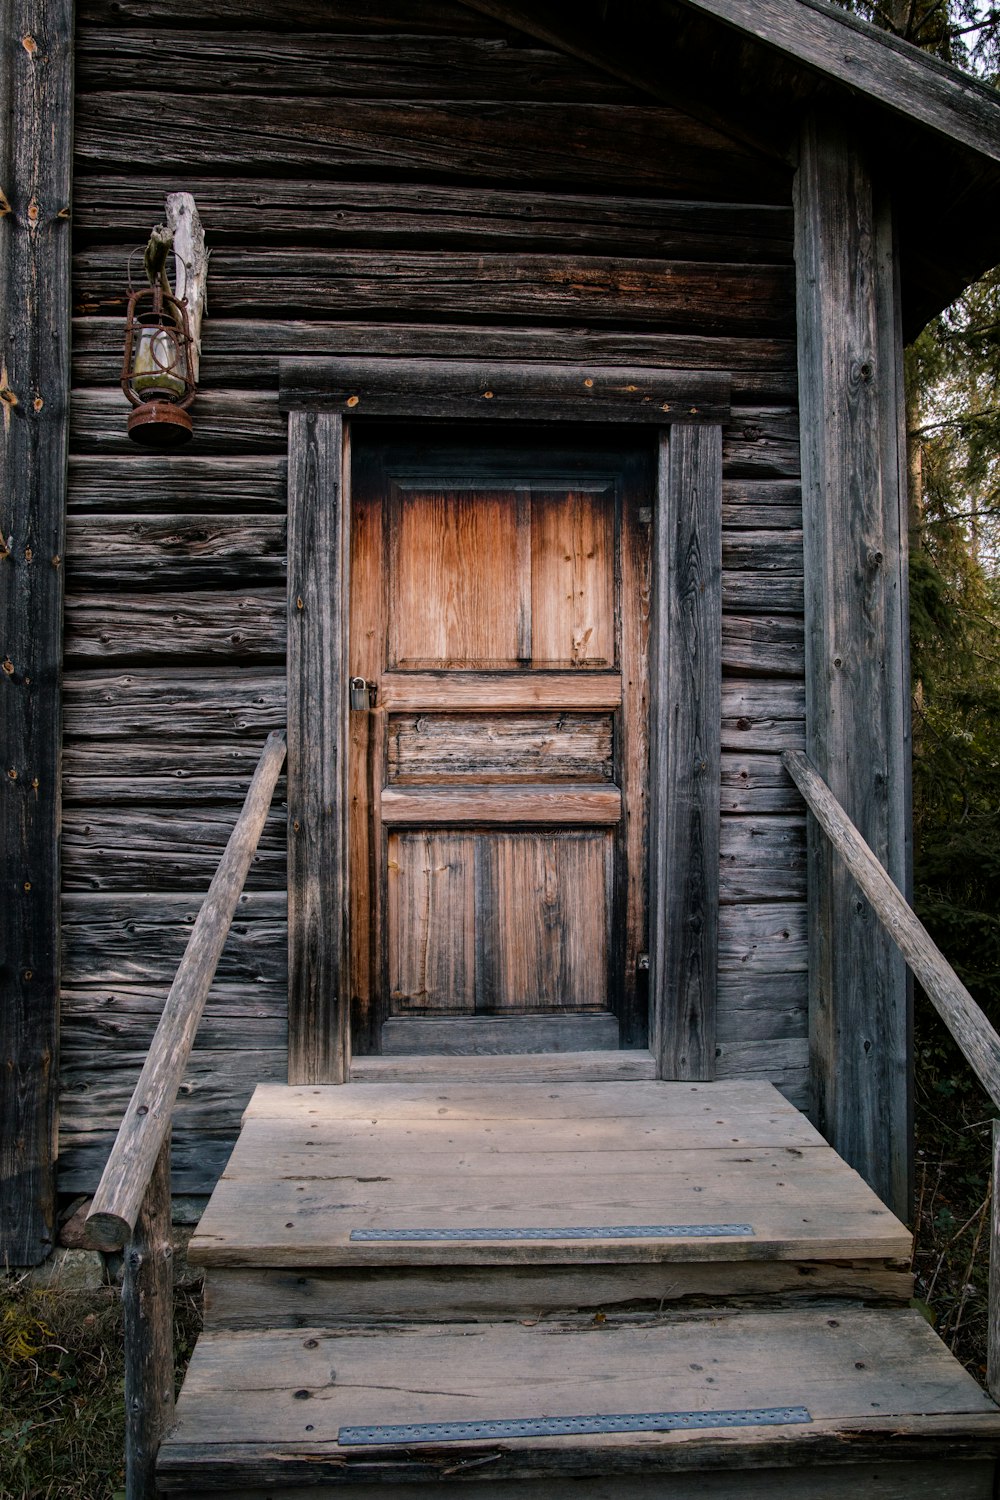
point(843, 1399)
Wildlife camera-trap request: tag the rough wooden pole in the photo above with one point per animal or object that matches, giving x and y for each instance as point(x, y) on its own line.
point(993, 1305)
point(148, 1309)
point(190, 264)
point(36, 141)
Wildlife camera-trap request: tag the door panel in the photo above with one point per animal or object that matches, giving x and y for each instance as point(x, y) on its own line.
point(497, 786)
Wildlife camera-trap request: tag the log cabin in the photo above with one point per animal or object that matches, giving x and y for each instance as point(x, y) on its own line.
point(547, 497)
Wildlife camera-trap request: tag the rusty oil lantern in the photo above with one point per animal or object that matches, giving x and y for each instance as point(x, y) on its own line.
point(157, 370)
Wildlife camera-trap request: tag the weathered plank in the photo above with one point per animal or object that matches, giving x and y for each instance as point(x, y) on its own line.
point(217, 624)
point(756, 784)
point(225, 709)
point(993, 1306)
point(441, 17)
point(577, 1068)
point(238, 353)
point(762, 715)
point(145, 1129)
point(319, 530)
point(762, 858)
point(226, 423)
point(138, 848)
point(197, 1159)
point(492, 803)
point(465, 388)
point(762, 593)
point(152, 793)
point(143, 483)
point(762, 643)
point(635, 147)
point(857, 676)
point(685, 679)
point(279, 211)
point(135, 939)
point(344, 67)
point(214, 1091)
point(174, 551)
point(36, 66)
point(509, 747)
point(703, 297)
point(496, 1035)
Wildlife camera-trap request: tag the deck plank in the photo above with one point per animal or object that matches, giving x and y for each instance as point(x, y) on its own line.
point(871, 1379)
point(314, 1164)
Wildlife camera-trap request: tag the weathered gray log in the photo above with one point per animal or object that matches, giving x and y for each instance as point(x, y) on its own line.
point(495, 388)
point(976, 1038)
point(993, 1304)
point(685, 675)
point(147, 1119)
point(148, 1315)
point(857, 675)
point(319, 509)
point(36, 83)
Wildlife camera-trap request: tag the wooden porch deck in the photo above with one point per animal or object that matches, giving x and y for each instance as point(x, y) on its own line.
point(390, 1254)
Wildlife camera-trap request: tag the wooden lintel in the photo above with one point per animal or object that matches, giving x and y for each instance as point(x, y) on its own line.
point(487, 390)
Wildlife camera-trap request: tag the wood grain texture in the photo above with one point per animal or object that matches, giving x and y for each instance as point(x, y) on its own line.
point(174, 551)
point(148, 1319)
point(857, 676)
point(567, 802)
point(499, 1035)
point(208, 488)
point(993, 1307)
point(324, 64)
point(700, 297)
point(432, 922)
point(498, 748)
point(469, 388)
point(35, 171)
point(318, 582)
point(684, 757)
point(635, 147)
point(146, 1125)
point(240, 353)
point(546, 690)
point(211, 625)
point(289, 210)
point(442, 17)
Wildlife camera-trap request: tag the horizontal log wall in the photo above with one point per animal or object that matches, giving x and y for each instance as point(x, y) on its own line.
point(433, 187)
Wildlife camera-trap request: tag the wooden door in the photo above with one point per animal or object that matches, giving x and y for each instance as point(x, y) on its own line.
point(499, 611)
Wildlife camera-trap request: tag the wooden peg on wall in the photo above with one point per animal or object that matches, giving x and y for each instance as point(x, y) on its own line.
point(191, 264)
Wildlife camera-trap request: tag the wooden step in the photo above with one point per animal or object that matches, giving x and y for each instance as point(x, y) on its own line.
point(701, 1189)
point(882, 1407)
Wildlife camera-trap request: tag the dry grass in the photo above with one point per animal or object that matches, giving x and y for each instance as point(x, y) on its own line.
point(62, 1389)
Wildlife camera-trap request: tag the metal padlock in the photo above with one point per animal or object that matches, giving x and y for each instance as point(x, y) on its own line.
point(361, 695)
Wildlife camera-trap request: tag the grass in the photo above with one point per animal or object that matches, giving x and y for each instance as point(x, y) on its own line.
point(62, 1384)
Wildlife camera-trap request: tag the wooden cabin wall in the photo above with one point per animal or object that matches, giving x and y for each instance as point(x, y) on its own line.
point(435, 185)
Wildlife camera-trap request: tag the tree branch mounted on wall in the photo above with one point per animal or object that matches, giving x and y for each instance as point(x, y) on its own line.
point(163, 330)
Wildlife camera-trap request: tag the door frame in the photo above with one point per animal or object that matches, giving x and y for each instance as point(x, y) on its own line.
point(690, 408)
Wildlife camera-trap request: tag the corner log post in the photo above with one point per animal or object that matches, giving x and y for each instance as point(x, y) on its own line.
point(148, 1316)
point(36, 85)
point(857, 672)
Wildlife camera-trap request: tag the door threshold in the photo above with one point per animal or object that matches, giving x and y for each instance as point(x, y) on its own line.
point(469, 1036)
point(515, 1067)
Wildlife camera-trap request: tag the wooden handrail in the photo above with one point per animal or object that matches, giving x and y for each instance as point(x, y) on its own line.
point(979, 1043)
point(146, 1122)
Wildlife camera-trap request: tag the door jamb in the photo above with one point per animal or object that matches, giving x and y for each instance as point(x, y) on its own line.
point(685, 668)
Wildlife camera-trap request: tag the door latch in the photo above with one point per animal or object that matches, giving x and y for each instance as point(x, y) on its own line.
point(362, 695)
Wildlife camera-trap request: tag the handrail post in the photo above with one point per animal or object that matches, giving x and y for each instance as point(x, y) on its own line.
point(993, 1295)
point(148, 1312)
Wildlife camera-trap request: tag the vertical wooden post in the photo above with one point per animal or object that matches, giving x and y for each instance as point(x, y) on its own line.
point(685, 751)
point(36, 81)
point(993, 1302)
point(148, 1309)
point(318, 562)
point(857, 690)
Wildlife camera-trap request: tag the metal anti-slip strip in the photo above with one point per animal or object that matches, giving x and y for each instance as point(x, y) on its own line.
point(515, 1427)
point(562, 1232)
point(559, 1232)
